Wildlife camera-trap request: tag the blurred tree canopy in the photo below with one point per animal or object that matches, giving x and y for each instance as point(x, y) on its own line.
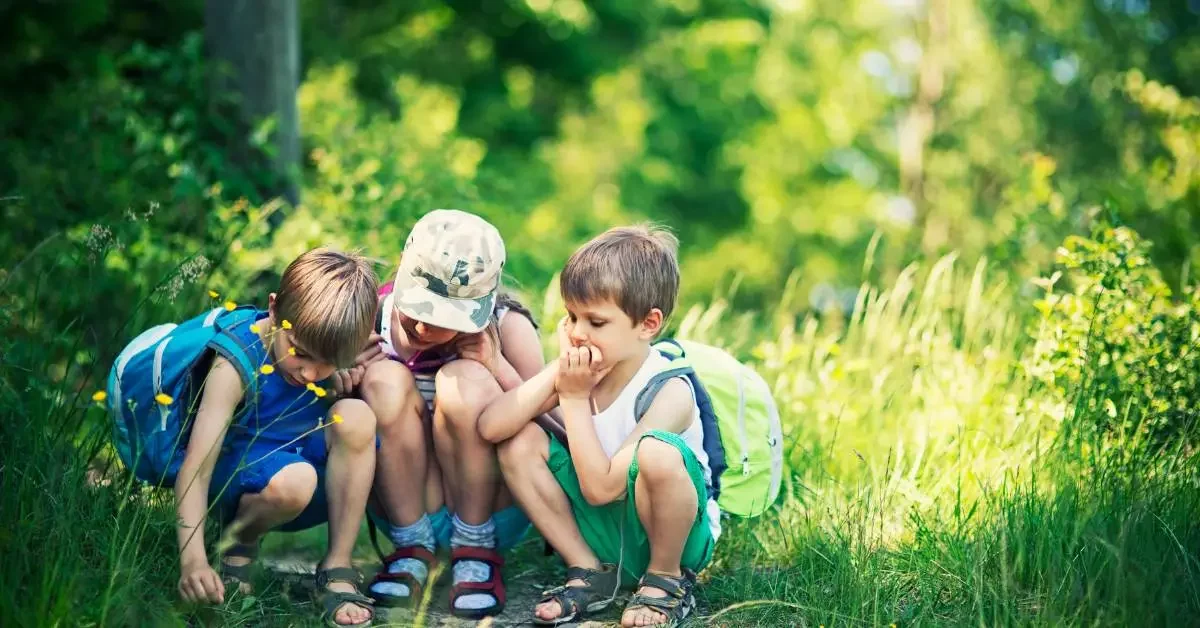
point(780, 138)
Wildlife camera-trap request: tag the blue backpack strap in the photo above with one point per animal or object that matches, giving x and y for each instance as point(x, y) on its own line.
point(229, 346)
point(708, 416)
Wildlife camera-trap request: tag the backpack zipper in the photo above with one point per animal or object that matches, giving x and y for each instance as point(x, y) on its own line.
point(742, 422)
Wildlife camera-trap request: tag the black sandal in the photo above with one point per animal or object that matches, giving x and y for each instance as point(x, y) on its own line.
point(237, 575)
point(597, 593)
point(331, 601)
point(677, 604)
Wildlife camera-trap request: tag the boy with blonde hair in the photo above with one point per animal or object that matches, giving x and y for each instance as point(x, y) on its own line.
point(630, 500)
point(260, 443)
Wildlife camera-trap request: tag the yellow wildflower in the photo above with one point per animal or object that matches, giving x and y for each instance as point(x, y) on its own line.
point(311, 386)
point(286, 324)
point(213, 294)
point(266, 369)
point(230, 305)
point(254, 329)
point(291, 350)
point(163, 399)
point(318, 391)
point(337, 418)
point(99, 395)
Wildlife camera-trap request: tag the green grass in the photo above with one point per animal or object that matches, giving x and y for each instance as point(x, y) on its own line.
point(931, 483)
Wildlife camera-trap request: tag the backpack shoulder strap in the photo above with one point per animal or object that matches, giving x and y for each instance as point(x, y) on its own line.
point(677, 368)
point(233, 348)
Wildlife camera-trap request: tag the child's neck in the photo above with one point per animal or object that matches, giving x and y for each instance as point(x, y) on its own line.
point(609, 388)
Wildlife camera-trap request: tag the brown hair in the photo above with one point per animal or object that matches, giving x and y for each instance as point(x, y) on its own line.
point(329, 297)
point(635, 267)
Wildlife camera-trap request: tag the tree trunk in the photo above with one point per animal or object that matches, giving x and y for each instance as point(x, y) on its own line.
point(917, 127)
point(254, 51)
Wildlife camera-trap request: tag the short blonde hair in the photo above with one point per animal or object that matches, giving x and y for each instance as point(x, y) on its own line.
point(635, 267)
point(329, 297)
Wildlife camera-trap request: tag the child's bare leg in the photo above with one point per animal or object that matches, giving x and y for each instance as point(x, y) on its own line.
point(666, 506)
point(524, 459)
point(468, 464)
point(348, 475)
point(403, 458)
point(284, 498)
point(467, 461)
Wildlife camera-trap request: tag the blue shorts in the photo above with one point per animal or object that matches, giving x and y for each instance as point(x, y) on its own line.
point(511, 526)
point(248, 468)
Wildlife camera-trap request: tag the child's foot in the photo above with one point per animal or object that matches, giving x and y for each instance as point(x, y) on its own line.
point(478, 584)
point(236, 564)
point(661, 599)
point(343, 604)
point(402, 580)
point(586, 591)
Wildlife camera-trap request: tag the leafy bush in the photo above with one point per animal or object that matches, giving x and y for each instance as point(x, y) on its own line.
point(1114, 338)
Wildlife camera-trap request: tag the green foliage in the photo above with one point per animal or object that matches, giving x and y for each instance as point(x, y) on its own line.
point(961, 456)
point(1117, 340)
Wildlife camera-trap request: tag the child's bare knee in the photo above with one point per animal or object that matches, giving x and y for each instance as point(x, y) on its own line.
point(660, 461)
point(291, 489)
point(464, 390)
point(529, 445)
point(389, 389)
point(387, 380)
point(352, 423)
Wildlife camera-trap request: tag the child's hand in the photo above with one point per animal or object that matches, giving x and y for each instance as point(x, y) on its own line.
point(372, 352)
point(345, 381)
point(200, 583)
point(481, 348)
point(579, 370)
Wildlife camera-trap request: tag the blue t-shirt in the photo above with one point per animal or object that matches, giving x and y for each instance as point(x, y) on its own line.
point(280, 414)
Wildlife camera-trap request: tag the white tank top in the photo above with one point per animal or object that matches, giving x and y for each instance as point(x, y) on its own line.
point(617, 422)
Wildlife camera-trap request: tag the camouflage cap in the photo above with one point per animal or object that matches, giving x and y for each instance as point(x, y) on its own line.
point(450, 271)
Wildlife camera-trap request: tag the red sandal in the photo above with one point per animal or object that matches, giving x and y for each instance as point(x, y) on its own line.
point(493, 586)
point(415, 587)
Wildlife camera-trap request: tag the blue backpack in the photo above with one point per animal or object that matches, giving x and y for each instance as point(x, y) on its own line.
point(150, 431)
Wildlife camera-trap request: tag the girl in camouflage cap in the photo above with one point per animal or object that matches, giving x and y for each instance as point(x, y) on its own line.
point(453, 347)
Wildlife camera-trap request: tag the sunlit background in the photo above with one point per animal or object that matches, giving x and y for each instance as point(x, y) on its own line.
point(958, 237)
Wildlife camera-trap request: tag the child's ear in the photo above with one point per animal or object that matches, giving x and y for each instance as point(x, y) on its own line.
point(652, 324)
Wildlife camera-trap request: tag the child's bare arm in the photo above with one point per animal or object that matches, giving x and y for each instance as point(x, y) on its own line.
point(222, 393)
point(603, 480)
point(510, 412)
point(521, 348)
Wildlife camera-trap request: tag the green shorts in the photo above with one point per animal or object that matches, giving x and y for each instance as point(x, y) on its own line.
point(604, 526)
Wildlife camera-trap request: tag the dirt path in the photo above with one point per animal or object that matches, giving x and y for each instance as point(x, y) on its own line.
point(527, 574)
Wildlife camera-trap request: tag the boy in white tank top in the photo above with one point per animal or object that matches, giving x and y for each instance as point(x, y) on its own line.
point(629, 501)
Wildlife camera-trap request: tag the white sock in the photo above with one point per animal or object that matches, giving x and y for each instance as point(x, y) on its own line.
point(417, 534)
point(466, 535)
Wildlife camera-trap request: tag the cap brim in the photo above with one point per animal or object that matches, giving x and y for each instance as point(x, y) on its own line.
point(419, 303)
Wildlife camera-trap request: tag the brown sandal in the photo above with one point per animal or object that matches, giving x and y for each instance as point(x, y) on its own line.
point(331, 601)
point(676, 605)
point(493, 586)
point(597, 593)
point(237, 575)
point(415, 587)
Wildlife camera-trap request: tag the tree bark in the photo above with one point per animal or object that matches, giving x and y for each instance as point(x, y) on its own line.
point(917, 127)
point(254, 52)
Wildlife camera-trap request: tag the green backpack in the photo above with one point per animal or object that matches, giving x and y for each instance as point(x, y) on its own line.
point(742, 433)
